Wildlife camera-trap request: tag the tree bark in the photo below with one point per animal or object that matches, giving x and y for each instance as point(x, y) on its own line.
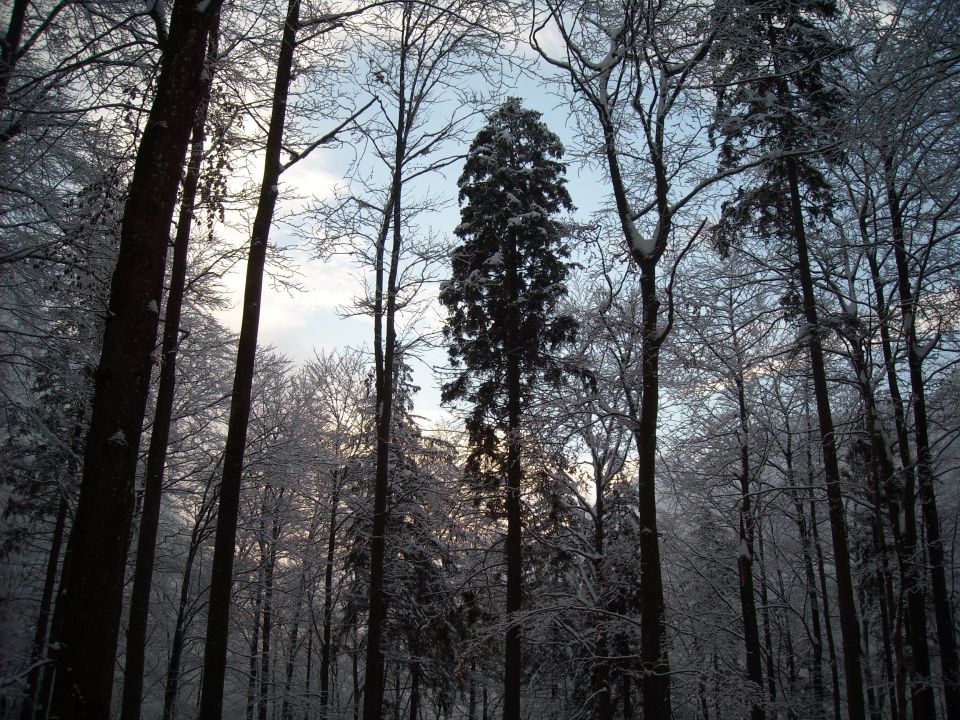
point(328, 605)
point(93, 593)
point(385, 341)
point(942, 612)
point(655, 680)
point(745, 556)
point(905, 542)
point(38, 654)
point(512, 658)
point(846, 600)
point(163, 414)
point(221, 577)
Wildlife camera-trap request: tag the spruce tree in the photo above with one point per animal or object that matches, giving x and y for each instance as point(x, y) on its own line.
point(507, 278)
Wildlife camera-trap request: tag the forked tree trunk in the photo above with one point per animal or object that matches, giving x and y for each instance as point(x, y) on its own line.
point(93, 592)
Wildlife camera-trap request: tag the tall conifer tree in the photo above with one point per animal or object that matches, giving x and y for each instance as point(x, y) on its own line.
point(506, 282)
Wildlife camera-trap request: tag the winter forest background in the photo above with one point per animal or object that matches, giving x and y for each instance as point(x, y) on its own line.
point(699, 452)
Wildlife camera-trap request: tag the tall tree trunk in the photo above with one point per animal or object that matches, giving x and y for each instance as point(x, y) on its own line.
point(93, 592)
point(38, 654)
point(293, 643)
point(824, 594)
point(905, 543)
point(748, 605)
point(385, 341)
point(512, 658)
point(163, 414)
point(601, 679)
point(253, 675)
point(221, 577)
point(765, 619)
point(328, 605)
point(846, 600)
point(655, 678)
point(942, 612)
point(172, 686)
point(813, 600)
point(267, 625)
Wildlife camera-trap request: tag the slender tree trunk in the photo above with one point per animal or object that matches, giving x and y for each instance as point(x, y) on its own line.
point(846, 600)
point(824, 596)
point(93, 592)
point(286, 709)
point(601, 668)
point(172, 686)
point(513, 659)
point(163, 414)
point(267, 625)
point(748, 606)
point(813, 600)
point(943, 613)
point(221, 578)
point(253, 674)
point(414, 690)
point(328, 605)
point(37, 656)
point(905, 543)
point(385, 341)
point(765, 619)
point(472, 693)
point(308, 674)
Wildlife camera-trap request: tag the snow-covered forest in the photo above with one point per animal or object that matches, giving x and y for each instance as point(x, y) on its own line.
point(701, 452)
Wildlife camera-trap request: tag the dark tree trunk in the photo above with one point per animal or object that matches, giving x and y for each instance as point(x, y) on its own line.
point(93, 592)
point(765, 619)
point(846, 600)
point(414, 690)
point(254, 649)
point(943, 613)
point(221, 577)
point(286, 708)
point(813, 601)
point(512, 659)
point(905, 543)
point(163, 415)
point(655, 682)
point(9, 45)
point(267, 624)
point(172, 687)
point(601, 679)
point(38, 654)
point(748, 605)
point(328, 605)
point(655, 679)
point(824, 596)
point(385, 341)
